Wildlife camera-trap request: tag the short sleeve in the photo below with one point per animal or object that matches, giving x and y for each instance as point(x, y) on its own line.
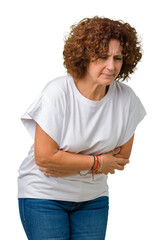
point(135, 112)
point(47, 115)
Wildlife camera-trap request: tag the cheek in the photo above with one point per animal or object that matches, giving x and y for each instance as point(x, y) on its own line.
point(100, 67)
point(95, 68)
point(119, 66)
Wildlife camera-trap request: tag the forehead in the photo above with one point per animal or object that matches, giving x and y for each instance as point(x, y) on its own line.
point(114, 47)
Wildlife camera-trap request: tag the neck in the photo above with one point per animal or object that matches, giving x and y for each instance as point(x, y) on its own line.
point(91, 91)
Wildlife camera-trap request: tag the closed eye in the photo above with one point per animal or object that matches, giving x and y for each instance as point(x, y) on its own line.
point(103, 57)
point(118, 58)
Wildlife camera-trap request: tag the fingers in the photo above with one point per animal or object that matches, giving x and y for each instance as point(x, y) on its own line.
point(53, 173)
point(42, 169)
point(112, 171)
point(48, 172)
point(120, 167)
point(122, 161)
point(115, 151)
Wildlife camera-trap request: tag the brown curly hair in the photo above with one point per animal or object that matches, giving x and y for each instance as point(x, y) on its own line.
point(90, 39)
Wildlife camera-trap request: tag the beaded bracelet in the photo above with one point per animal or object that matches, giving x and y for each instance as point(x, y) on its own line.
point(92, 169)
point(85, 172)
point(101, 164)
point(96, 163)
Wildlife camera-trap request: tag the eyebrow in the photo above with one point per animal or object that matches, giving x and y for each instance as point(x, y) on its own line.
point(117, 54)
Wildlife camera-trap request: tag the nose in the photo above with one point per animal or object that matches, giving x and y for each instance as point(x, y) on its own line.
point(110, 64)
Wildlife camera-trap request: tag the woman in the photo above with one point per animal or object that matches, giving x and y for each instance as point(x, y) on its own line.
point(83, 128)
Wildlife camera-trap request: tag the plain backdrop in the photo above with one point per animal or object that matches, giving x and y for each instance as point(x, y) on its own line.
point(31, 45)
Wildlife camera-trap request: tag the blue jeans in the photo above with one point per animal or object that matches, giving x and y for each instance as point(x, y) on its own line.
point(62, 220)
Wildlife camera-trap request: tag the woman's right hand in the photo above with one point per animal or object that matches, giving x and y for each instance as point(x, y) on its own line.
point(110, 162)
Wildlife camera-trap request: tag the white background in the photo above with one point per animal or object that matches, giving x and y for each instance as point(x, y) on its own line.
point(31, 45)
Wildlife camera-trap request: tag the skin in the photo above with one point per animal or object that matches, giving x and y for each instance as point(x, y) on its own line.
point(101, 73)
point(55, 163)
point(123, 151)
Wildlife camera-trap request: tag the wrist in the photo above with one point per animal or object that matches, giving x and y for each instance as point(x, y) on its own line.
point(100, 163)
point(85, 172)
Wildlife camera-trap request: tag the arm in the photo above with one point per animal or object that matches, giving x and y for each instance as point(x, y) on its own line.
point(48, 155)
point(125, 151)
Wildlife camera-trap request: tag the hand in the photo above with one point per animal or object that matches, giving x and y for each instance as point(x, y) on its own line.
point(53, 173)
point(110, 162)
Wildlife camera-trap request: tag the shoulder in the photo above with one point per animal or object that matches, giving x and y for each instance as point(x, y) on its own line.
point(124, 89)
point(55, 85)
point(125, 92)
point(56, 89)
point(129, 98)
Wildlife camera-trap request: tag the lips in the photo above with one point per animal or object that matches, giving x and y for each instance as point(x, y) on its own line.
point(109, 75)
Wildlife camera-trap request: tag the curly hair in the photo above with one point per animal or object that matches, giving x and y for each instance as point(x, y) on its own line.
point(90, 39)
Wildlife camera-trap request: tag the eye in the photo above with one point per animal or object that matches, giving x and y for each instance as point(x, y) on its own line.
point(103, 57)
point(118, 58)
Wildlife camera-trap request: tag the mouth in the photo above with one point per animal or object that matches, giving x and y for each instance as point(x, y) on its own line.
point(107, 75)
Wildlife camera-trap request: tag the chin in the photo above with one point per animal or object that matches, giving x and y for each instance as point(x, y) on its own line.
point(108, 79)
point(107, 82)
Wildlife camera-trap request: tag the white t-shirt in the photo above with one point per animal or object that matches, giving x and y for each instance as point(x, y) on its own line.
point(79, 125)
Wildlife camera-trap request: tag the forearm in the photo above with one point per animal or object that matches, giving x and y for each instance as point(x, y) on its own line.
point(66, 162)
point(125, 150)
point(63, 164)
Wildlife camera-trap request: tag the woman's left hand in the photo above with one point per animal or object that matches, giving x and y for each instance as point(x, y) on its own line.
point(52, 173)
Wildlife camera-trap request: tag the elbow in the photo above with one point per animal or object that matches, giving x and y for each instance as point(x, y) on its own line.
point(125, 155)
point(46, 161)
point(40, 161)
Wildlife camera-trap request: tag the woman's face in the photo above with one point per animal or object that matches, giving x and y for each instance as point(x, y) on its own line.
point(104, 70)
